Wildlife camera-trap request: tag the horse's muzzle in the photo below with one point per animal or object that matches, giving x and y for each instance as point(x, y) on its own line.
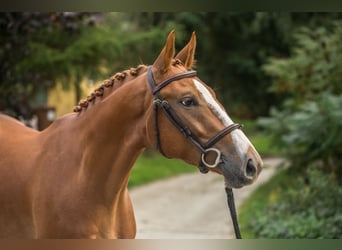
point(239, 176)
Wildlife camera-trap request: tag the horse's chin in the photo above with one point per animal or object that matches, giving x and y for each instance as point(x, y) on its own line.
point(231, 181)
point(234, 179)
point(233, 184)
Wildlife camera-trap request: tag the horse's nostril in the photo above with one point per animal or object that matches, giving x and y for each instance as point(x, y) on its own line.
point(250, 169)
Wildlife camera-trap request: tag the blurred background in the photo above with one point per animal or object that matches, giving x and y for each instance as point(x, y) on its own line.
point(280, 74)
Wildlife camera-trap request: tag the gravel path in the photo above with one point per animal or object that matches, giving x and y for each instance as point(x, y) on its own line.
point(190, 206)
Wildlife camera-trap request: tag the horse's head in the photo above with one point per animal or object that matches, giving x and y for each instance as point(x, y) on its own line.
point(188, 122)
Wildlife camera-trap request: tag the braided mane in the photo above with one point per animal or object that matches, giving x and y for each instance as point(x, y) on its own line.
point(113, 82)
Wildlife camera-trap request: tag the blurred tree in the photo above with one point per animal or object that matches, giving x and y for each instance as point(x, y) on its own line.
point(70, 48)
point(17, 32)
point(38, 48)
point(307, 126)
point(232, 47)
point(235, 47)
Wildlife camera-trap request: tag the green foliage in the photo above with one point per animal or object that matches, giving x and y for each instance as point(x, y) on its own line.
point(307, 128)
point(312, 133)
point(300, 208)
point(62, 48)
point(17, 32)
point(231, 49)
point(40, 48)
point(95, 53)
point(314, 65)
point(237, 45)
point(308, 125)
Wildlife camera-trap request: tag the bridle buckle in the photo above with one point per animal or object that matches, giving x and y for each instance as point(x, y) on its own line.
point(217, 160)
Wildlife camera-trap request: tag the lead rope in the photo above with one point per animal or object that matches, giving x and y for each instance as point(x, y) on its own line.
point(231, 205)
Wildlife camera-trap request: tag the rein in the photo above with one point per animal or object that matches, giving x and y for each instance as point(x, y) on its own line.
point(160, 103)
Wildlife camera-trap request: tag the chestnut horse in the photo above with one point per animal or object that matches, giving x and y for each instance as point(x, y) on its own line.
point(70, 180)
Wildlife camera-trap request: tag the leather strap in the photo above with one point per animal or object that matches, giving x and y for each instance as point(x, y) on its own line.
point(156, 88)
point(221, 134)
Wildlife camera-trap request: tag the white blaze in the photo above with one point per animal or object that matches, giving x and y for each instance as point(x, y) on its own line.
point(240, 141)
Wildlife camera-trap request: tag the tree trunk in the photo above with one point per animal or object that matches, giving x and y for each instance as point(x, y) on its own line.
point(78, 91)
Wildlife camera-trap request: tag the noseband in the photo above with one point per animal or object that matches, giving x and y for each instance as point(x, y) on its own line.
point(160, 102)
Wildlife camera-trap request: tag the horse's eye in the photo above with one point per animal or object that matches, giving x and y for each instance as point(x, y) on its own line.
point(187, 102)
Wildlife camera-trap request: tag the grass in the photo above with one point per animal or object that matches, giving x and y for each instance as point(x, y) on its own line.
point(261, 141)
point(263, 144)
point(152, 166)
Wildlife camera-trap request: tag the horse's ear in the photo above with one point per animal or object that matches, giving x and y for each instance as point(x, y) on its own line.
point(187, 54)
point(163, 61)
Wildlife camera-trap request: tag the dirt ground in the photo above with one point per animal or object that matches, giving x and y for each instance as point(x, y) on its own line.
point(190, 206)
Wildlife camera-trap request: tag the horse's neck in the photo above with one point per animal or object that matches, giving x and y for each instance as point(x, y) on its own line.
point(111, 135)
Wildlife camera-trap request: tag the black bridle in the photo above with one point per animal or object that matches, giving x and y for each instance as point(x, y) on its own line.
point(160, 103)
